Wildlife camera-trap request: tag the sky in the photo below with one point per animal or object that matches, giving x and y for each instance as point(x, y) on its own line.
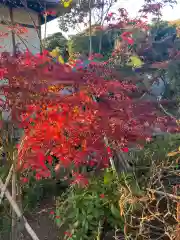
point(132, 7)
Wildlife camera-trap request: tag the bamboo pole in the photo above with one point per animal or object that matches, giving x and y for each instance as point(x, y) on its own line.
point(18, 212)
point(13, 215)
point(6, 183)
point(14, 194)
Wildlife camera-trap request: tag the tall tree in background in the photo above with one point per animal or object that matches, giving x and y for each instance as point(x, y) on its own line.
point(87, 14)
point(80, 42)
point(55, 40)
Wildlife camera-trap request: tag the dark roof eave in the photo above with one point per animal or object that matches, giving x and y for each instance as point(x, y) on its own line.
point(49, 18)
point(38, 6)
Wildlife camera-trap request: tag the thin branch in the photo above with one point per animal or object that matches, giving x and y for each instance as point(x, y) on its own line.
point(34, 24)
point(165, 111)
point(172, 196)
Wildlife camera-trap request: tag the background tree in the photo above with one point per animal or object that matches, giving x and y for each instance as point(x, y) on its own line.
point(86, 14)
point(80, 42)
point(55, 40)
point(79, 14)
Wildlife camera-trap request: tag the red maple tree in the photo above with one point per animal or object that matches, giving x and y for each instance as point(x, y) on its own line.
point(73, 127)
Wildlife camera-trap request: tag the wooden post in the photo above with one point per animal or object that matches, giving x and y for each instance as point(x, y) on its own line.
point(40, 33)
point(18, 212)
point(45, 22)
point(13, 215)
point(14, 220)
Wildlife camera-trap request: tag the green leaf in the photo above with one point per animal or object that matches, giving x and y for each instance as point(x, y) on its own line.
point(84, 212)
point(76, 224)
point(58, 220)
point(115, 212)
point(86, 226)
point(108, 177)
point(89, 217)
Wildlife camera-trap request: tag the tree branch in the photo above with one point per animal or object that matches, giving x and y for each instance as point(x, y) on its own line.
point(164, 194)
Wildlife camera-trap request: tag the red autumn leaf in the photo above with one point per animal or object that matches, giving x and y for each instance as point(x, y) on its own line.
point(102, 195)
point(72, 128)
point(79, 179)
point(126, 36)
point(68, 234)
point(125, 149)
point(52, 212)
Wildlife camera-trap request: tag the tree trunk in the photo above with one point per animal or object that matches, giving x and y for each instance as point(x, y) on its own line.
point(90, 29)
point(101, 34)
point(122, 162)
point(100, 42)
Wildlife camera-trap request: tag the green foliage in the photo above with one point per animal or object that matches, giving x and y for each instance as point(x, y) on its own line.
point(162, 36)
point(4, 171)
point(35, 192)
point(5, 219)
point(84, 209)
point(174, 75)
point(73, 15)
point(80, 42)
point(79, 13)
point(164, 45)
point(155, 151)
point(55, 40)
point(162, 29)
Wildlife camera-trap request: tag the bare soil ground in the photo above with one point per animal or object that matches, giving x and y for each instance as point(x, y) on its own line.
point(41, 223)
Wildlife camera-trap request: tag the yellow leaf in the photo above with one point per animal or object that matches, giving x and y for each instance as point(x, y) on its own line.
point(135, 61)
point(54, 53)
point(76, 109)
point(66, 3)
point(60, 60)
point(172, 154)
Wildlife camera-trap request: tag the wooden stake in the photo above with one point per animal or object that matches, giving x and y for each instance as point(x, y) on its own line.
point(6, 183)
point(19, 213)
point(13, 214)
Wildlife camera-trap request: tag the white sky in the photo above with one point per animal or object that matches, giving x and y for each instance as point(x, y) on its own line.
point(132, 7)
